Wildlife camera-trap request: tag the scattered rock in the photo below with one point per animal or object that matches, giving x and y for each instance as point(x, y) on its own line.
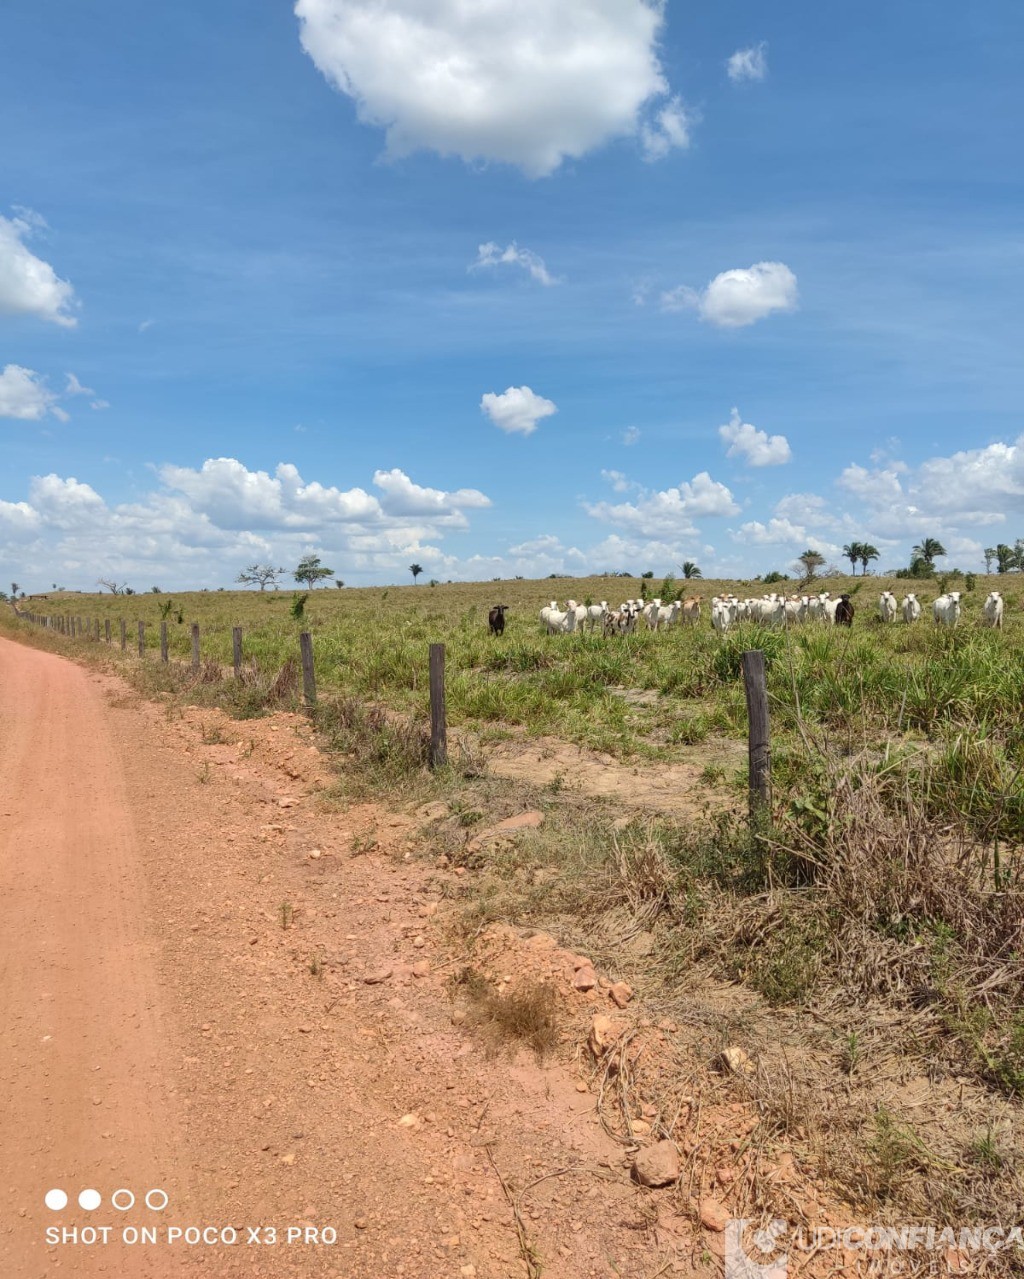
point(521, 821)
point(428, 910)
point(411, 1120)
point(736, 1061)
point(640, 1127)
point(421, 968)
point(288, 1159)
point(620, 994)
point(287, 803)
point(374, 976)
point(541, 941)
point(657, 1165)
point(713, 1215)
point(585, 979)
point(603, 1033)
point(315, 853)
point(419, 942)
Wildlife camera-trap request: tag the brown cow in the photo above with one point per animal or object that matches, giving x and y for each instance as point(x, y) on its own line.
point(496, 619)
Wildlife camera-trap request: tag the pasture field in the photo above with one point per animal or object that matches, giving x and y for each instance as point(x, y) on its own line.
point(877, 912)
point(944, 703)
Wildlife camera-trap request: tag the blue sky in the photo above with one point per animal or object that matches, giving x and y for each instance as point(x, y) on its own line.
point(523, 287)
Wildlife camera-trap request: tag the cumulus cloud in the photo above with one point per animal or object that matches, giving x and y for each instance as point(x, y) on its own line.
point(517, 410)
point(737, 298)
point(199, 525)
point(491, 255)
point(748, 64)
point(668, 513)
point(774, 533)
point(756, 448)
point(28, 285)
point(525, 82)
point(24, 395)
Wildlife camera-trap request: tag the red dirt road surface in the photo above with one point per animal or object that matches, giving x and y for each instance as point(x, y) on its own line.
point(220, 984)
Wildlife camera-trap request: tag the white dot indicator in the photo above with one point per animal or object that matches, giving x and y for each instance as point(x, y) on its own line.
point(156, 1199)
point(90, 1199)
point(56, 1200)
point(122, 1200)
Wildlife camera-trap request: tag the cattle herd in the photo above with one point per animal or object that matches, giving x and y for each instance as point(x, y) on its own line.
point(726, 610)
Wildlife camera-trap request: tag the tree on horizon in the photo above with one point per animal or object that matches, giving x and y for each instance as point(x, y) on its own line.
point(928, 548)
point(261, 575)
point(415, 570)
point(310, 571)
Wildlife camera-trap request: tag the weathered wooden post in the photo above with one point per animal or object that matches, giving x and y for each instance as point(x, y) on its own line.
point(96, 631)
point(755, 685)
point(438, 720)
point(142, 639)
point(308, 673)
point(163, 642)
point(124, 635)
point(106, 630)
point(236, 649)
point(195, 647)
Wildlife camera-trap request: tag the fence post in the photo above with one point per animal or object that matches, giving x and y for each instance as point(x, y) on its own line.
point(195, 647)
point(236, 649)
point(755, 685)
point(124, 635)
point(308, 674)
point(163, 642)
point(106, 629)
point(142, 639)
point(96, 632)
point(438, 721)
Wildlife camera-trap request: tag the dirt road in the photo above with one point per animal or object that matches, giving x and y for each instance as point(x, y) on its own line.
point(208, 985)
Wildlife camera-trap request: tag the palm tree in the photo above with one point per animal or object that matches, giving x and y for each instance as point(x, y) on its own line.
point(929, 548)
point(867, 553)
point(415, 570)
point(1004, 558)
point(690, 570)
point(989, 554)
point(852, 552)
point(812, 561)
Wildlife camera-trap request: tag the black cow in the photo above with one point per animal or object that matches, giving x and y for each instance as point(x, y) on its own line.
point(844, 611)
point(496, 619)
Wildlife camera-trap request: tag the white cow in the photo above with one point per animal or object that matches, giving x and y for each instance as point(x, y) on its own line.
point(911, 608)
point(887, 608)
point(993, 610)
point(946, 609)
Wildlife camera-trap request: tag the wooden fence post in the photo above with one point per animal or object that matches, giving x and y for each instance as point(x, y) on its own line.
point(755, 685)
point(438, 720)
point(142, 639)
point(124, 635)
point(106, 630)
point(308, 673)
point(163, 642)
point(96, 631)
point(236, 649)
point(195, 647)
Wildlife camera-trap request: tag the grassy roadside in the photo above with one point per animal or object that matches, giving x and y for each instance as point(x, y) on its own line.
point(879, 915)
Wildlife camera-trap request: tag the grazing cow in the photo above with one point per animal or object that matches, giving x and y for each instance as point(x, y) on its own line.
point(946, 609)
point(691, 610)
point(496, 619)
point(911, 608)
point(887, 606)
point(844, 611)
point(993, 610)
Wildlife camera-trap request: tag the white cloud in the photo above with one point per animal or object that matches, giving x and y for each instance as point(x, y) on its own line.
point(670, 128)
point(757, 448)
point(517, 409)
point(738, 297)
point(617, 480)
point(491, 254)
point(630, 435)
point(74, 387)
point(525, 82)
point(775, 533)
point(28, 285)
point(668, 513)
point(24, 395)
point(748, 64)
point(99, 404)
point(200, 525)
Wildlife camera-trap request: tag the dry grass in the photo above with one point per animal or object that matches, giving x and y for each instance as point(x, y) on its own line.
point(526, 1015)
